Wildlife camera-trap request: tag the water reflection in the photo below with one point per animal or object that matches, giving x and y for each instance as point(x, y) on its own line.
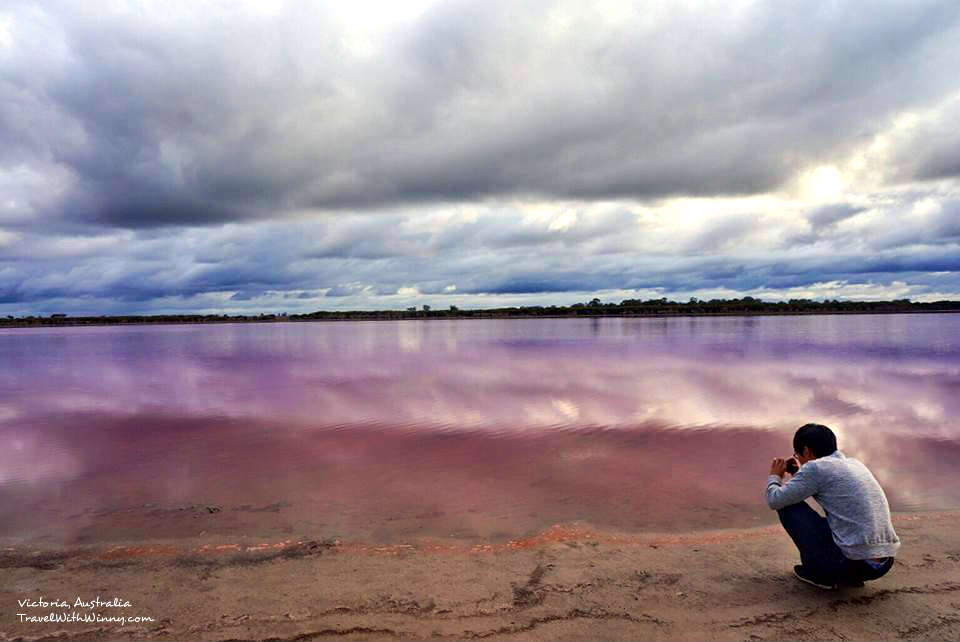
point(467, 428)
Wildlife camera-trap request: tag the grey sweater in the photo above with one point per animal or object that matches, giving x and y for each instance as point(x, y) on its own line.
point(856, 507)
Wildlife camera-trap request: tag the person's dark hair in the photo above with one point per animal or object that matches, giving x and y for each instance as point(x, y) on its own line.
point(818, 438)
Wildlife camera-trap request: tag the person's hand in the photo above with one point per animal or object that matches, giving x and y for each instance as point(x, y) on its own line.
point(793, 466)
point(778, 467)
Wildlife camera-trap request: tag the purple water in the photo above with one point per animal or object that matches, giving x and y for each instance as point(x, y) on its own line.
point(383, 431)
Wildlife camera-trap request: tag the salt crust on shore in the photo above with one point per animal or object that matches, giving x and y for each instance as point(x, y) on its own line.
point(568, 582)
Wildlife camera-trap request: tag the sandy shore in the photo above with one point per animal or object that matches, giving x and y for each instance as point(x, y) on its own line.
point(568, 583)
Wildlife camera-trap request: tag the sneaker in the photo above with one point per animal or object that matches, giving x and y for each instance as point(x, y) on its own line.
point(804, 576)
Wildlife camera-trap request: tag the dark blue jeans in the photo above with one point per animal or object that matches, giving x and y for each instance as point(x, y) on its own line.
point(819, 554)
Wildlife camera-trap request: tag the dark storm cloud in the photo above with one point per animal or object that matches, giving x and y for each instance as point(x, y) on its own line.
point(176, 116)
point(276, 266)
point(720, 233)
point(929, 148)
point(186, 157)
point(823, 222)
point(352, 262)
point(831, 214)
point(943, 163)
point(938, 227)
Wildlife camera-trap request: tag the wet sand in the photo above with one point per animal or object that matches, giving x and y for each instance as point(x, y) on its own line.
point(569, 582)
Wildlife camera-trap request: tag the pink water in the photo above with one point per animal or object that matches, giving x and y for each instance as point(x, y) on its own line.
point(475, 429)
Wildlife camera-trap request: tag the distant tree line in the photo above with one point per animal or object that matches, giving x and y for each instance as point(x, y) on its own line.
point(594, 308)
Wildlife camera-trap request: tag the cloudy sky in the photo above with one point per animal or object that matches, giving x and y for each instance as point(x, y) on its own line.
point(236, 157)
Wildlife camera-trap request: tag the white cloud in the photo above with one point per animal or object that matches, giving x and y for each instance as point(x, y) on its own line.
point(373, 154)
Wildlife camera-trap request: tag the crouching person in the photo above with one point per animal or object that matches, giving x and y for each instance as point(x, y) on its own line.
point(856, 542)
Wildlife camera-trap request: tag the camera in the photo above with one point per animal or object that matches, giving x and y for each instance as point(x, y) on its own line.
point(792, 466)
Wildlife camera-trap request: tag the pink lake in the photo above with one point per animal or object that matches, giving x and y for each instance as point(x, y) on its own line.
point(470, 429)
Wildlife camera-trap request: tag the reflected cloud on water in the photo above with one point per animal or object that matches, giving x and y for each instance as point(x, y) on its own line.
point(475, 428)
